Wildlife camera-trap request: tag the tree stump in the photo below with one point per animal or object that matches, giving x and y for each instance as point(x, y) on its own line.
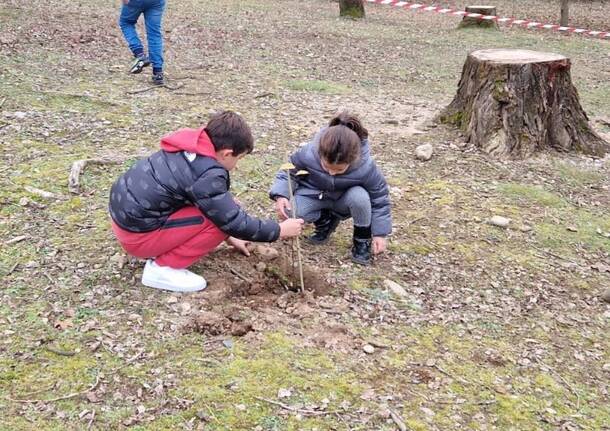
point(351, 8)
point(513, 103)
point(478, 22)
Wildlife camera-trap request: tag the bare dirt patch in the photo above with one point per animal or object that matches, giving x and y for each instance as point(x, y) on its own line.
point(266, 282)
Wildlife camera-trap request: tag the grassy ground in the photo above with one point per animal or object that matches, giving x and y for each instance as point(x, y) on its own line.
point(499, 329)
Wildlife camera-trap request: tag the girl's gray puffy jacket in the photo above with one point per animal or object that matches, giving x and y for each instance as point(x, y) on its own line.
point(322, 185)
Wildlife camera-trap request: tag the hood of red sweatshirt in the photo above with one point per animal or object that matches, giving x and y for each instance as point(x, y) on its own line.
point(190, 140)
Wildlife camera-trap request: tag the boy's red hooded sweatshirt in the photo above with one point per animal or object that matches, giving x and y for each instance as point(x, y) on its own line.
point(194, 141)
point(183, 173)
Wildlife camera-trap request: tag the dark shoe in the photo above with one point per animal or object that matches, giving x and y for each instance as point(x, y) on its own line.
point(361, 250)
point(157, 78)
point(139, 64)
point(325, 225)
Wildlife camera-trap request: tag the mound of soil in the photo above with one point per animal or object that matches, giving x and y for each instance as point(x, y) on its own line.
point(212, 323)
point(245, 291)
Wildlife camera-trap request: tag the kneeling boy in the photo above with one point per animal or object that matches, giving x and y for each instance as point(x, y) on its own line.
point(174, 207)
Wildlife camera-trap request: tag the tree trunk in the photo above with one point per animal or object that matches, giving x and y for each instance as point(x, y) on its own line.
point(514, 103)
point(351, 8)
point(477, 22)
point(565, 12)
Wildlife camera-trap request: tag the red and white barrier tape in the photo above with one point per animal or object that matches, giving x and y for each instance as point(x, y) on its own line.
point(522, 22)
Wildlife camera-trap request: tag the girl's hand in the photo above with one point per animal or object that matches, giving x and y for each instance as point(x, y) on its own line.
point(379, 244)
point(239, 245)
point(291, 227)
point(281, 205)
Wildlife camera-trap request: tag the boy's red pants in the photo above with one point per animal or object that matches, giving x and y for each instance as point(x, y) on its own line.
point(185, 237)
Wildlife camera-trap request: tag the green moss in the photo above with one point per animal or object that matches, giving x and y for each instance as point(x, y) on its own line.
point(533, 194)
point(576, 176)
point(557, 237)
point(317, 86)
point(456, 118)
point(280, 363)
point(500, 92)
point(403, 246)
point(415, 424)
point(353, 12)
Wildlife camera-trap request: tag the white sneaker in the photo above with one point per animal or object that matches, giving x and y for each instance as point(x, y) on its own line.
point(166, 278)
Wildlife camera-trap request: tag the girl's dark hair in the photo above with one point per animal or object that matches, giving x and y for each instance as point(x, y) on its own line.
point(339, 145)
point(350, 121)
point(228, 130)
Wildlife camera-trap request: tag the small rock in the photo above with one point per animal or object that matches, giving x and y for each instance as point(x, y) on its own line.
point(384, 412)
point(571, 229)
point(240, 407)
point(606, 295)
point(24, 201)
point(396, 288)
point(427, 411)
point(119, 259)
point(202, 416)
point(368, 349)
point(606, 367)
point(172, 300)
point(368, 394)
point(267, 253)
point(499, 221)
point(424, 152)
point(261, 266)
point(284, 393)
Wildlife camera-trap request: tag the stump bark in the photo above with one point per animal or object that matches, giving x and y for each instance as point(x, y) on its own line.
point(351, 8)
point(478, 22)
point(513, 103)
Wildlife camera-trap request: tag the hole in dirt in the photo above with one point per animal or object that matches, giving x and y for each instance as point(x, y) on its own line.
point(278, 276)
point(243, 286)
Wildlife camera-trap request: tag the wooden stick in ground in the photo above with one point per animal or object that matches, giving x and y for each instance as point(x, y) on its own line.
point(294, 210)
point(288, 167)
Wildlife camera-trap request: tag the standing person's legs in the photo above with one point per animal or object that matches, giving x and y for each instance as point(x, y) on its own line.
point(130, 13)
point(153, 18)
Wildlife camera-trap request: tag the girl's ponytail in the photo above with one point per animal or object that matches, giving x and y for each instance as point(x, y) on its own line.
point(352, 122)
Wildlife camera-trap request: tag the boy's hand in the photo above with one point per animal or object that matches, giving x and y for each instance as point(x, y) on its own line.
point(291, 227)
point(379, 244)
point(282, 206)
point(239, 245)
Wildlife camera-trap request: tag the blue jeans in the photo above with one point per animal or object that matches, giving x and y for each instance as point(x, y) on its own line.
point(153, 15)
